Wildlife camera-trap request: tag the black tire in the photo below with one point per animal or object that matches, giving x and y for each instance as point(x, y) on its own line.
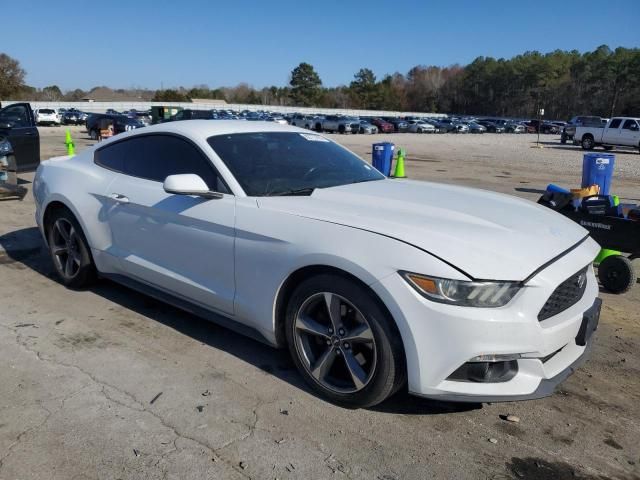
point(83, 271)
point(587, 142)
point(318, 127)
point(563, 139)
point(386, 360)
point(341, 129)
point(616, 274)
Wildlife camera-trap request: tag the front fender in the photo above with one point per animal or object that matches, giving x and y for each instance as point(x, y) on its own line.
point(272, 245)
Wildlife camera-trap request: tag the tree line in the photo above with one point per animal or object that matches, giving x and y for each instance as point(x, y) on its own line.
point(603, 82)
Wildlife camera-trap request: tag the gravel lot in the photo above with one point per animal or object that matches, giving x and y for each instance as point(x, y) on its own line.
point(109, 384)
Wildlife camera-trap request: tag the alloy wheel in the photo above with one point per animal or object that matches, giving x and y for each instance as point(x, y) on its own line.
point(335, 343)
point(65, 248)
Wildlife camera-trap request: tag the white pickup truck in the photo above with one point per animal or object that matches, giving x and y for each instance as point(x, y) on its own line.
point(619, 131)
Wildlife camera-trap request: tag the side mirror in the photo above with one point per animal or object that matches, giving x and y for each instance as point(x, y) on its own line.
point(188, 184)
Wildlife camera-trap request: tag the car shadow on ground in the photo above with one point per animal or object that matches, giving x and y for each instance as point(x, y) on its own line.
point(26, 248)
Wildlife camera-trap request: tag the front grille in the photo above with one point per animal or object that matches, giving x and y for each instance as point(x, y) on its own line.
point(567, 294)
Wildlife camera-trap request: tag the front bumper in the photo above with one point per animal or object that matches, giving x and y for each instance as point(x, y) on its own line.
point(439, 339)
point(547, 385)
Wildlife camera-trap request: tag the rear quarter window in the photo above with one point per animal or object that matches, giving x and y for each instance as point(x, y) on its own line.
point(111, 157)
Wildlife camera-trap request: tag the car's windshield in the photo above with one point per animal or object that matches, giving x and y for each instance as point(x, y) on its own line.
point(277, 163)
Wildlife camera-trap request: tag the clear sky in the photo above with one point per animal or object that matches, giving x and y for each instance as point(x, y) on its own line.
point(149, 43)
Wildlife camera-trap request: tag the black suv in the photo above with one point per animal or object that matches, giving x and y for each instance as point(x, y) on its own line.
point(121, 123)
point(569, 130)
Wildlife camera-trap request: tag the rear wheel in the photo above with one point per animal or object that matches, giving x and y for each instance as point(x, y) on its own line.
point(344, 344)
point(616, 274)
point(69, 250)
point(563, 139)
point(587, 142)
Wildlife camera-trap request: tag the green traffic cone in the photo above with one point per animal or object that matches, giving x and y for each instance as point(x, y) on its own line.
point(69, 143)
point(399, 172)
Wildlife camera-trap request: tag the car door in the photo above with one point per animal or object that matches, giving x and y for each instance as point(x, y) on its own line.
point(17, 124)
point(179, 243)
point(630, 133)
point(611, 132)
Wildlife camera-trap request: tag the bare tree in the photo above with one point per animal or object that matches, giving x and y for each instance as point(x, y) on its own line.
point(11, 76)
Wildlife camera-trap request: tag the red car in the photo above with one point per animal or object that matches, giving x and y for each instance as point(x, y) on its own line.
point(383, 125)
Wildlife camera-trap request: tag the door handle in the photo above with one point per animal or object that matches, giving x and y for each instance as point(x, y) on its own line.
point(119, 198)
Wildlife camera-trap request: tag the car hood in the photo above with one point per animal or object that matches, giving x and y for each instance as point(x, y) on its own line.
point(487, 235)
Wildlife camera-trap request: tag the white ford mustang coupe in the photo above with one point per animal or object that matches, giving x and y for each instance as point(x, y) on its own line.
point(372, 283)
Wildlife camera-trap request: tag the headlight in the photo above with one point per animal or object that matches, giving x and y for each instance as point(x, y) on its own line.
point(5, 147)
point(463, 293)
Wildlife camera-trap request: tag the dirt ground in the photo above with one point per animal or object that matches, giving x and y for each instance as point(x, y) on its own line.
point(110, 384)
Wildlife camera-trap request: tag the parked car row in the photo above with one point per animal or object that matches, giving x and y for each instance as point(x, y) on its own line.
point(344, 124)
point(332, 123)
point(59, 116)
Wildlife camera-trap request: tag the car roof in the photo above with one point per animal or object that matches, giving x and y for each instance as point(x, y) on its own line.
point(204, 129)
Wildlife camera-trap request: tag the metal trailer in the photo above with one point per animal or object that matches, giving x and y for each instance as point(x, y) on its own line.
point(618, 235)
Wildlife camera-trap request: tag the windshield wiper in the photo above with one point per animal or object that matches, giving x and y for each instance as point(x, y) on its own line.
point(300, 191)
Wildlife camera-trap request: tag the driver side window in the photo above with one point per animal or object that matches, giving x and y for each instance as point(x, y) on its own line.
point(16, 115)
point(155, 157)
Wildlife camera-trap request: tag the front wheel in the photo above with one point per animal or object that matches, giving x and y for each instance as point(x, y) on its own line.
point(343, 342)
point(69, 250)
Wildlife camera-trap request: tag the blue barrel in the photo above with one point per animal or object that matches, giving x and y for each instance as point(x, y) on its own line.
point(382, 155)
point(597, 169)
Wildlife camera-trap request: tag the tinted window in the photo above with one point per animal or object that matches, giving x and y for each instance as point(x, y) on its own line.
point(629, 124)
point(155, 157)
point(16, 115)
point(615, 123)
point(272, 163)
